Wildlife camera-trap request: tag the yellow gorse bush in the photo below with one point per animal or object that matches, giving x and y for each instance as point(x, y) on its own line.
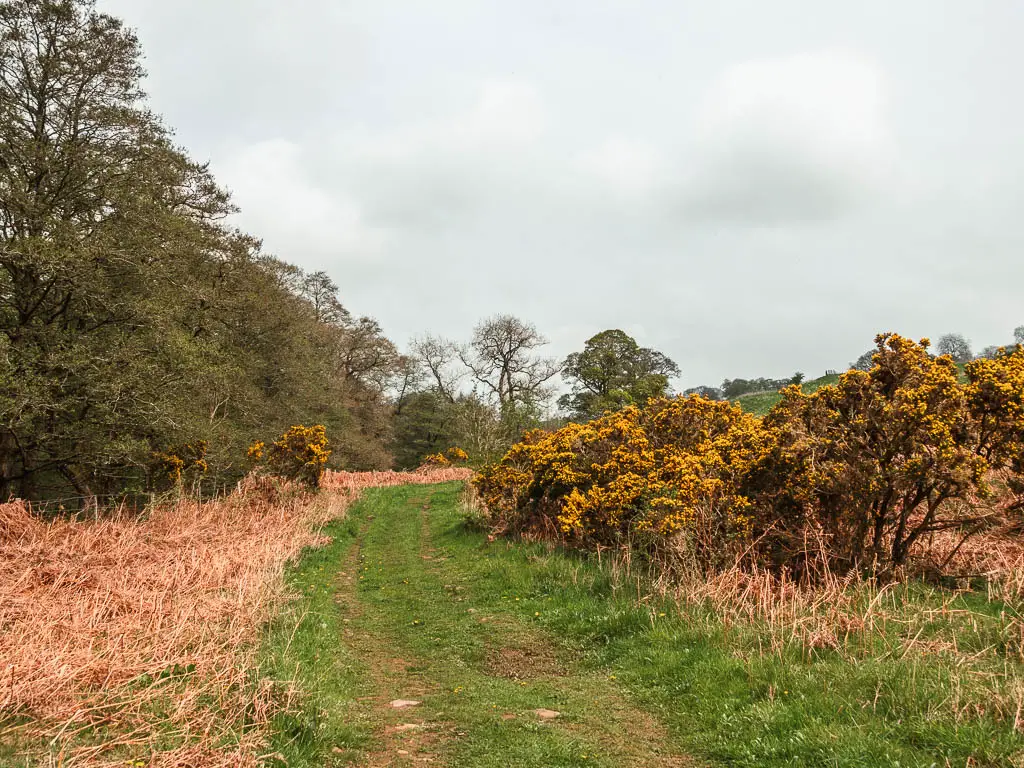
point(639, 471)
point(172, 465)
point(435, 460)
point(996, 396)
point(301, 454)
point(454, 455)
point(867, 465)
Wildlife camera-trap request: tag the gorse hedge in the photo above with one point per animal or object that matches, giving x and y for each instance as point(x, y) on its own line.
point(648, 474)
point(864, 468)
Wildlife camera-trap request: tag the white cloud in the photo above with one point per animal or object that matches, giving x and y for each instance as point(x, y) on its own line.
point(436, 174)
point(798, 137)
point(504, 115)
point(599, 167)
point(280, 201)
point(625, 167)
point(351, 198)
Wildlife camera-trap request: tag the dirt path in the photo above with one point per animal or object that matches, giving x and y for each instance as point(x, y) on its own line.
point(486, 680)
point(403, 736)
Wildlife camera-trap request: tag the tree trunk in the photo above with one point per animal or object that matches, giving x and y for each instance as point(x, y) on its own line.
point(87, 499)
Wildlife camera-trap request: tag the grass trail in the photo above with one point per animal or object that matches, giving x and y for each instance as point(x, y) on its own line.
point(389, 612)
point(408, 604)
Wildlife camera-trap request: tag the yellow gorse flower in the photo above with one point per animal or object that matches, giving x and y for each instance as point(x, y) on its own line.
point(301, 453)
point(868, 464)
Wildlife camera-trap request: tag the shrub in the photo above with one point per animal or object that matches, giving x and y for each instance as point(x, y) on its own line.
point(434, 461)
point(456, 455)
point(641, 475)
point(996, 396)
point(883, 458)
point(871, 461)
point(452, 456)
point(865, 467)
point(170, 467)
point(300, 454)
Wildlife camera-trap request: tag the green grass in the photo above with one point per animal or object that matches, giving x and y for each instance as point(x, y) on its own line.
point(759, 403)
point(303, 646)
point(429, 606)
point(407, 626)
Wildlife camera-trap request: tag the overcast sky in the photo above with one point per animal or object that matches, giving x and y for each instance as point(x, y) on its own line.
point(750, 187)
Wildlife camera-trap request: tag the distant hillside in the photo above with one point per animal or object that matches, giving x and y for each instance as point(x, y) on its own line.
point(759, 403)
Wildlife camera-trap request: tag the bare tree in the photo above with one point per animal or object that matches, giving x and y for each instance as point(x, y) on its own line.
point(502, 357)
point(956, 346)
point(865, 362)
point(408, 379)
point(437, 356)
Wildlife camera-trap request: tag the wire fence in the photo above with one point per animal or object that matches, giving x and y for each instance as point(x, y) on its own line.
point(136, 501)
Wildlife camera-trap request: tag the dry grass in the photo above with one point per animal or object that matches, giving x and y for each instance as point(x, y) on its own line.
point(137, 636)
point(951, 616)
point(831, 609)
point(994, 556)
point(423, 476)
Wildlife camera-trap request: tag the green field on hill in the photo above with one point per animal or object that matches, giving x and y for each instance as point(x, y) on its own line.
point(759, 403)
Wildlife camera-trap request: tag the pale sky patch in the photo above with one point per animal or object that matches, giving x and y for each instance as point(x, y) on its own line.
point(280, 202)
point(625, 167)
point(754, 187)
point(792, 138)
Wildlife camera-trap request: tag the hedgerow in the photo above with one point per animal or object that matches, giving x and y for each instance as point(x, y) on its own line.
point(864, 468)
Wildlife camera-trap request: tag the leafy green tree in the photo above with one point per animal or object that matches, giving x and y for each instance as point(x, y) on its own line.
point(131, 317)
point(429, 423)
point(423, 426)
point(1018, 334)
point(613, 371)
point(102, 223)
point(733, 388)
point(711, 393)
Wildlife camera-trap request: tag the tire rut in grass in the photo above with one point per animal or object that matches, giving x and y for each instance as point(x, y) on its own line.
point(480, 671)
point(405, 738)
point(595, 711)
point(405, 607)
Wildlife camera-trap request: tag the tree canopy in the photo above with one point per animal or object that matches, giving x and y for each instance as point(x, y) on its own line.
point(133, 318)
point(138, 325)
point(613, 371)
